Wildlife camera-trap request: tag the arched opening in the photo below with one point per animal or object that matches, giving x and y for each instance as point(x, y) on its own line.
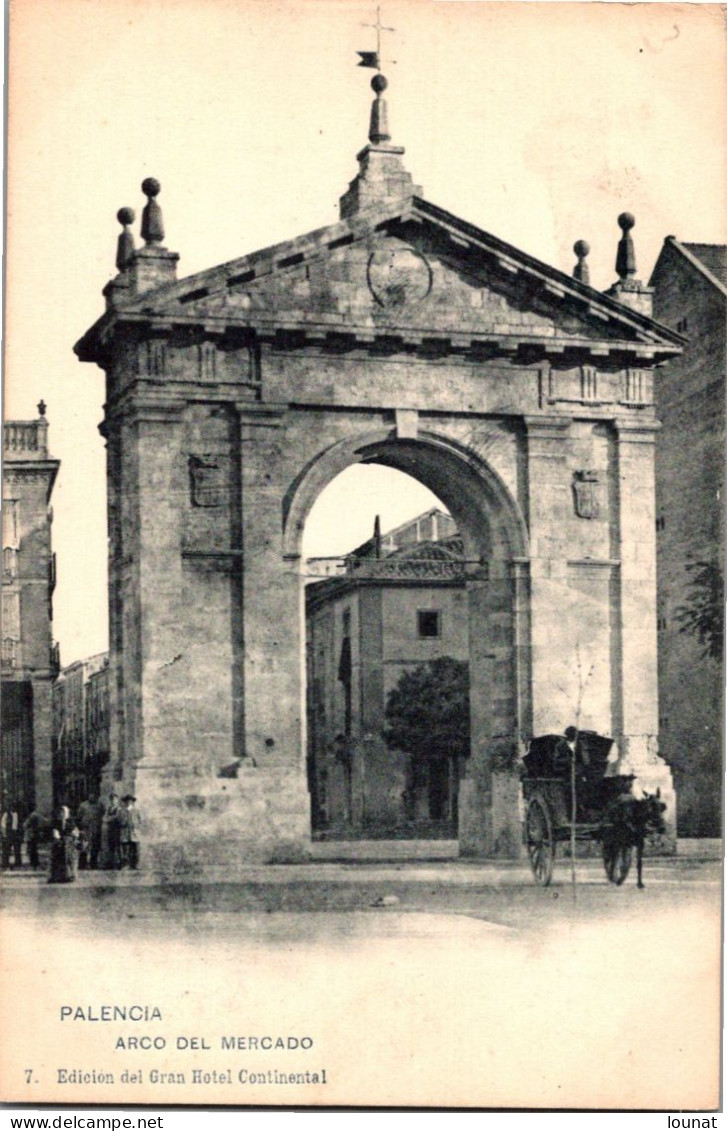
point(387, 659)
point(405, 618)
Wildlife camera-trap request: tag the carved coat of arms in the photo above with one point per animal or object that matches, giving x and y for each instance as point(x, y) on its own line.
point(585, 494)
point(207, 481)
point(397, 275)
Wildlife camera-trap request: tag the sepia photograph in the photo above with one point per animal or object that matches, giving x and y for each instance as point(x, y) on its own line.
point(363, 555)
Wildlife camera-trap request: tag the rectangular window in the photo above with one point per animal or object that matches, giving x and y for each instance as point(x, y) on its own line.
point(429, 623)
point(10, 565)
point(10, 523)
point(11, 615)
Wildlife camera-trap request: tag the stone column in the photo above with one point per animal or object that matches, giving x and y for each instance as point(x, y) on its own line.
point(489, 821)
point(475, 794)
point(638, 691)
point(159, 439)
point(274, 655)
point(552, 640)
point(157, 755)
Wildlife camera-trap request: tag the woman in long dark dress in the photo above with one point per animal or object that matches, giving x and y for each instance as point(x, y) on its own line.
point(62, 848)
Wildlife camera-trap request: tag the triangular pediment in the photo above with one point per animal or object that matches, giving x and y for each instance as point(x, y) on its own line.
point(419, 273)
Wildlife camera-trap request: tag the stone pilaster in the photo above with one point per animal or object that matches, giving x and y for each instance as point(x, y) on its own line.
point(147, 651)
point(636, 616)
point(158, 438)
point(273, 675)
point(499, 700)
point(552, 653)
point(475, 796)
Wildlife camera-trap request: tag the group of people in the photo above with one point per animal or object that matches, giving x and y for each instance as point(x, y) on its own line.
point(97, 836)
point(17, 830)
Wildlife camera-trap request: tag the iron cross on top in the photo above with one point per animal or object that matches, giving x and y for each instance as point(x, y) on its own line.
point(373, 58)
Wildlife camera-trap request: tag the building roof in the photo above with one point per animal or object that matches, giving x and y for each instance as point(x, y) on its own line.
point(257, 293)
point(708, 259)
point(395, 539)
point(713, 256)
point(421, 563)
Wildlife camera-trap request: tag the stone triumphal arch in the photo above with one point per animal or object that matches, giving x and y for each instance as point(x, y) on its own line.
point(403, 336)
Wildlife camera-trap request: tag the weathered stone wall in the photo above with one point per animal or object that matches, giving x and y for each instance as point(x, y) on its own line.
point(217, 653)
point(690, 530)
point(522, 399)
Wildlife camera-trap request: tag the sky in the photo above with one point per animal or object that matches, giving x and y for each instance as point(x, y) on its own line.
point(539, 122)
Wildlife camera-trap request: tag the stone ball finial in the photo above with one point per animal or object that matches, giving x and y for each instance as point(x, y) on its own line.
point(150, 186)
point(125, 247)
point(580, 271)
point(152, 225)
point(379, 123)
point(625, 257)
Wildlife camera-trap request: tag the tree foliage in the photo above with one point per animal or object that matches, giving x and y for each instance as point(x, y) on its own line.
point(703, 614)
point(428, 712)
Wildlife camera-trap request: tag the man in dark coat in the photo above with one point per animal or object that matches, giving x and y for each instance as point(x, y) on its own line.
point(566, 752)
point(573, 749)
point(90, 814)
point(33, 828)
point(129, 824)
point(110, 835)
point(63, 848)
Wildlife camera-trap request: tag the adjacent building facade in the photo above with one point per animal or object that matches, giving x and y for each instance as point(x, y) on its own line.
point(690, 295)
point(400, 335)
point(80, 730)
point(401, 603)
point(30, 659)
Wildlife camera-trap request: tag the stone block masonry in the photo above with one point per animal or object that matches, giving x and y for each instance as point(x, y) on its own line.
point(401, 336)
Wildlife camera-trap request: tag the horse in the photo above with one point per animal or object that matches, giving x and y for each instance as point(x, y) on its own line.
point(627, 823)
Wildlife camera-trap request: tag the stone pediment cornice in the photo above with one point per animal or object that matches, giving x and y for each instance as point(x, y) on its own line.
point(217, 301)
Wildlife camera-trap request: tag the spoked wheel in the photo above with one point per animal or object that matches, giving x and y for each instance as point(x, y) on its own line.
point(541, 845)
point(617, 861)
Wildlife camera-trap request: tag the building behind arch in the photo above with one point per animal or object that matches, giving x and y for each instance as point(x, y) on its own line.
point(30, 658)
point(400, 603)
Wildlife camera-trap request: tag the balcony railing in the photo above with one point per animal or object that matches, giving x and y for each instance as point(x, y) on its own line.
point(26, 436)
point(405, 568)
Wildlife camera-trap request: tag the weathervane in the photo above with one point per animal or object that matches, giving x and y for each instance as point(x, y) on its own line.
point(373, 58)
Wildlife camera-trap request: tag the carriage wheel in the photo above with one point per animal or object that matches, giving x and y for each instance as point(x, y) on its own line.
point(540, 841)
point(617, 861)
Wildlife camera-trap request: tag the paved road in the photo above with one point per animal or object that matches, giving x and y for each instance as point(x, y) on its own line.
point(504, 892)
point(431, 984)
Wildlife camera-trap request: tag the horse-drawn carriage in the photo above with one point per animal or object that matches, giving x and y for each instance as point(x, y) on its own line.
point(570, 799)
